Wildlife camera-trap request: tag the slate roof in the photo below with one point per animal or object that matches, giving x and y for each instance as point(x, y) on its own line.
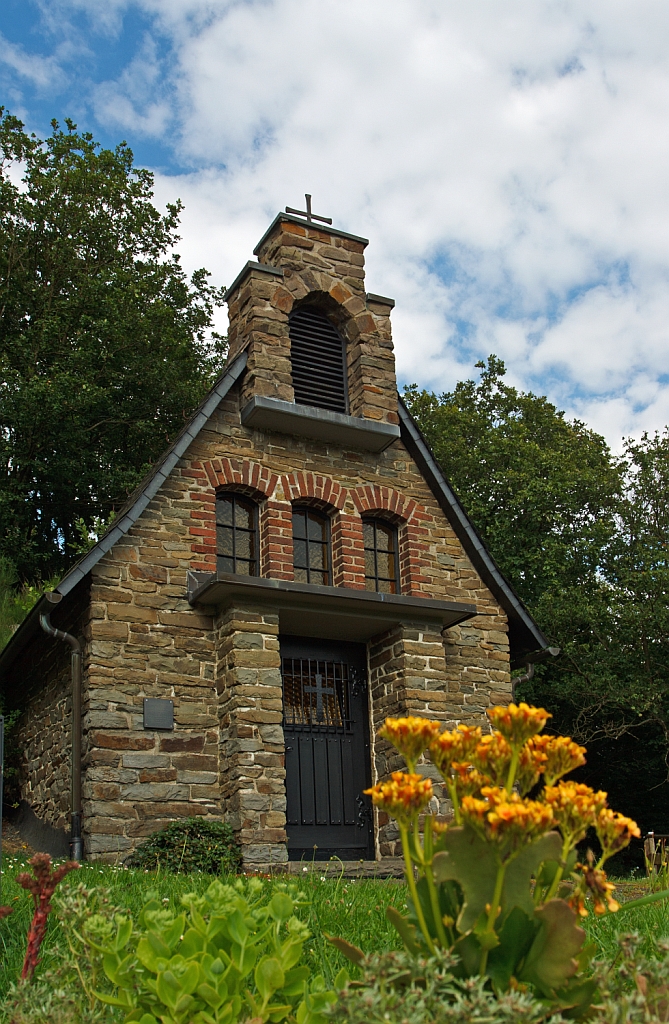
point(524, 633)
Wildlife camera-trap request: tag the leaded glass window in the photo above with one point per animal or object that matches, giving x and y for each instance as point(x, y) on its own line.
point(236, 534)
point(311, 547)
point(381, 563)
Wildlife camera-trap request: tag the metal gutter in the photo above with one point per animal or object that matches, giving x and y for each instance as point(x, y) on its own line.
point(519, 617)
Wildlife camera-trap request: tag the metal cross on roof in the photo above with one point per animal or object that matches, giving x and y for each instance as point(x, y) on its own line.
point(307, 213)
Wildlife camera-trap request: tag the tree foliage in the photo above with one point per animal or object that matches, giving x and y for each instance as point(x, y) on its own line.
point(541, 490)
point(582, 536)
point(105, 345)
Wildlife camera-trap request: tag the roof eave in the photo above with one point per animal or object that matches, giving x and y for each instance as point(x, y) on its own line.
point(524, 633)
point(148, 490)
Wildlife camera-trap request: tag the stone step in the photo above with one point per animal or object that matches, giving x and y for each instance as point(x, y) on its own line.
point(387, 867)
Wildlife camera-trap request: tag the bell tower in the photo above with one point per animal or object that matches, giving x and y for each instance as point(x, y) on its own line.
point(308, 284)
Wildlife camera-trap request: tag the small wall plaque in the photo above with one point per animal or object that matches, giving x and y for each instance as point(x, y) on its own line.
point(158, 713)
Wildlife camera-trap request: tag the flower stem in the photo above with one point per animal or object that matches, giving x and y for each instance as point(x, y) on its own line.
point(431, 887)
point(411, 882)
point(492, 914)
point(420, 855)
point(566, 847)
point(452, 792)
point(513, 768)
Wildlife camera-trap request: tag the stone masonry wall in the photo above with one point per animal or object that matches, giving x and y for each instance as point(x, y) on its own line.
point(146, 641)
point(451, 678)
point(252, 744)
point(40, 686)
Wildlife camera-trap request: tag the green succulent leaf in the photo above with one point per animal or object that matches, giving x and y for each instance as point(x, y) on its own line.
point(281, 906)
point(406, 930)
point(515, 940)
point(551, 960)
point(472, 862)
point(525, 866)
point(269, 977)
point(350, 951)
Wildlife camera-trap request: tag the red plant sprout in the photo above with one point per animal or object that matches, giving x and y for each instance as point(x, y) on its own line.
point(42, 887)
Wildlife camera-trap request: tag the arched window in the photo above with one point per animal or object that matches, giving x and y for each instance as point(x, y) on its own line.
point(311, 547)
point(317, 360)
point(236, 534)
point(381, 561)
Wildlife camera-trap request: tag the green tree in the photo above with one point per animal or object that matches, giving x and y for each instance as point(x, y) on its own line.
point(615, 668)
point(15, 601)
point(105, 345)
point(542, 490)
point(583, 537)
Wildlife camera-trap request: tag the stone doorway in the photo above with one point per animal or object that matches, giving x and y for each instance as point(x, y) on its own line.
point(326, 730)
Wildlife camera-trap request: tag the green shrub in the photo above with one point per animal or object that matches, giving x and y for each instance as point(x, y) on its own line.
point(190, 846)
point(635, 989)
point(398, 988)
point(231, 955)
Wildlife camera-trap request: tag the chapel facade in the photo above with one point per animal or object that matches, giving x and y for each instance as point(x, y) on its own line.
point(293, 570)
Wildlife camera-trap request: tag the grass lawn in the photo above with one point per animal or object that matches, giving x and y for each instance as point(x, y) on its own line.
point(651, 922)
point(354, 909)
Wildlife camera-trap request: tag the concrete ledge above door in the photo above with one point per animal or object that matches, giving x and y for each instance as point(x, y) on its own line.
point(327, 612)
point(308, 421)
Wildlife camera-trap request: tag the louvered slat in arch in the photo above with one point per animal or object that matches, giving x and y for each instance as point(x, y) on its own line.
point(317, 359)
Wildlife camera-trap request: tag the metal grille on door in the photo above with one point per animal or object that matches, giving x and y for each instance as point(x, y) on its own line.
point(326, 769)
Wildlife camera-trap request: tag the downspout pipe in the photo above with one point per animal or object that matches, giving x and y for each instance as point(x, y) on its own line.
point(76, 840)
point(552, 652)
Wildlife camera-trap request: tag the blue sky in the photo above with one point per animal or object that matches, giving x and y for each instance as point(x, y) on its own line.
point(508, 162)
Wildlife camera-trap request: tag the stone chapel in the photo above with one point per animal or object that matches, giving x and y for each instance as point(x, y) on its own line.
point(293, 570)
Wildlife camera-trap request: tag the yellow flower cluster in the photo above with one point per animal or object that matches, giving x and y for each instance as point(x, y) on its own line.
point(561, 755)
point(594, 881)
point(575, 808)
point(493, 757)
point(506, 818)
point(518, 722)
point(481, 769)
point(403, 795)
point(410, 736)
point(468, 780)
point(614, 831)
point(449, 748)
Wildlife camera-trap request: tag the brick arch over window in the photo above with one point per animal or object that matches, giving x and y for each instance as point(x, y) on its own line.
point(348, 556)
point(411, 520)
point(348, 312)
point(240, 475)
point(301, 486)
point(255, 479)
point(370, 499)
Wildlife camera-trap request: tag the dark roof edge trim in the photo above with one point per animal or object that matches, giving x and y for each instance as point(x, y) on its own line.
point(466, 530)
point(160, 472)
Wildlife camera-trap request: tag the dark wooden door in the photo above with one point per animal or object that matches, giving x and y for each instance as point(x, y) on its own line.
point(326, 728)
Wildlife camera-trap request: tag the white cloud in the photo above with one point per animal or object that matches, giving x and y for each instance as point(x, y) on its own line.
point(130, 102)
point(509, 163)
point(42, 72)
